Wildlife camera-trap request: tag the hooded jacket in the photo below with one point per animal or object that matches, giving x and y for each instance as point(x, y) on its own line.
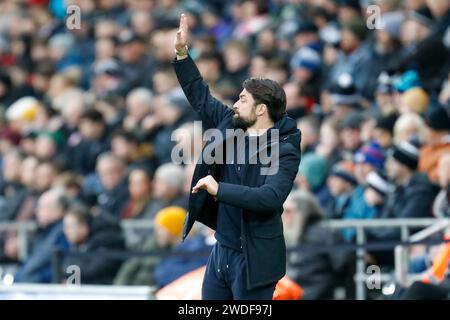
point(260, 196)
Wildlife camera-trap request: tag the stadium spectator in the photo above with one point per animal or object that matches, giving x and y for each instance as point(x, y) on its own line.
point(168, 188)
point(309, 126)
point(140, 190)
point(367, 159)
point(413, 196)
point(410, 127)
point(438, 142)
point(383, 132)
point(168, 229)
point(341, 183)
point(114, 196)
point(441, 206)
point(316, 272)
point(10, 186)
point(87, 143)
point(50, 237)
point(87, 237)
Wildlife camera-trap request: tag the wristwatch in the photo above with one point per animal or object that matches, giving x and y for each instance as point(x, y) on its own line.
point(183, 53)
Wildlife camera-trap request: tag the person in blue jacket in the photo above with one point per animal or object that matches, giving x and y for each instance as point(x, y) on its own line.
point(37, 268)
point(240, 198)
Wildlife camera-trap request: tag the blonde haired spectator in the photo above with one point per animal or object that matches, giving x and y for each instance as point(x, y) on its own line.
point(409, 126)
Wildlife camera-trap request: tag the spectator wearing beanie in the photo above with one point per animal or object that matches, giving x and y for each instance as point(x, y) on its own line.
point(306, 67)
point(413, 196)
point(383, 133)
point(312, 175)
point(378, 187)
point(438, 127)
point(169, 226)
point(367, 159)
point(341, 183)
point(344, 96)
point(372, 156)
point(384, 94)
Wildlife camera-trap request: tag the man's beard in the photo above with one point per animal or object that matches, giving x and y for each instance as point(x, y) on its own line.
point(241, 123)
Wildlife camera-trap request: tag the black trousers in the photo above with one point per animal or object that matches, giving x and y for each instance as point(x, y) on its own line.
point(226, 277)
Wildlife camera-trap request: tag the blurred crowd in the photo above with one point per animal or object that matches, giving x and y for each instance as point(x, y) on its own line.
point(90, 115)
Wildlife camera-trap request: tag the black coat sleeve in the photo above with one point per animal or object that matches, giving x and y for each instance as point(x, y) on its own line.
point(211, 110)
point(269, 197)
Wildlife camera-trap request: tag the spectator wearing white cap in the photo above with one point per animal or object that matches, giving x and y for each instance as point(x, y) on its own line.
point(378, 187)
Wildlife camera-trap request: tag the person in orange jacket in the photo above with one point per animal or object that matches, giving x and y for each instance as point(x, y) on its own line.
point(438, 127)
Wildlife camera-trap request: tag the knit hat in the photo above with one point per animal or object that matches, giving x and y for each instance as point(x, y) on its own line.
point(25, 108)
point(379, 183)
point(408, 80)
point(171, 219)
point(372, 154)
point(438, 118)
point(314, 168)
point(306, 58)
point(343, 91)
point(405, 153)
point(386, 122)
point(416, 99)
point(344, 170)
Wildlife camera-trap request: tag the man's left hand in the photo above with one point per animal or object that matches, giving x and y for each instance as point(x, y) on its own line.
point(208, 183)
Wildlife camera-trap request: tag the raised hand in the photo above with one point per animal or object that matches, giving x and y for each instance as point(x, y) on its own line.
point(182, 35)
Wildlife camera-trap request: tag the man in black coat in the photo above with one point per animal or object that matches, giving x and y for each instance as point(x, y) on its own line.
point(241, 199)
point(88, 236)
point(412, 198)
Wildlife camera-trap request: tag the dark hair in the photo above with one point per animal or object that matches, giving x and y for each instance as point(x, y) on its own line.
point(143, 168)
point(127, 135)
point(92, 115)
point(80, 212)
point(270, 93)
